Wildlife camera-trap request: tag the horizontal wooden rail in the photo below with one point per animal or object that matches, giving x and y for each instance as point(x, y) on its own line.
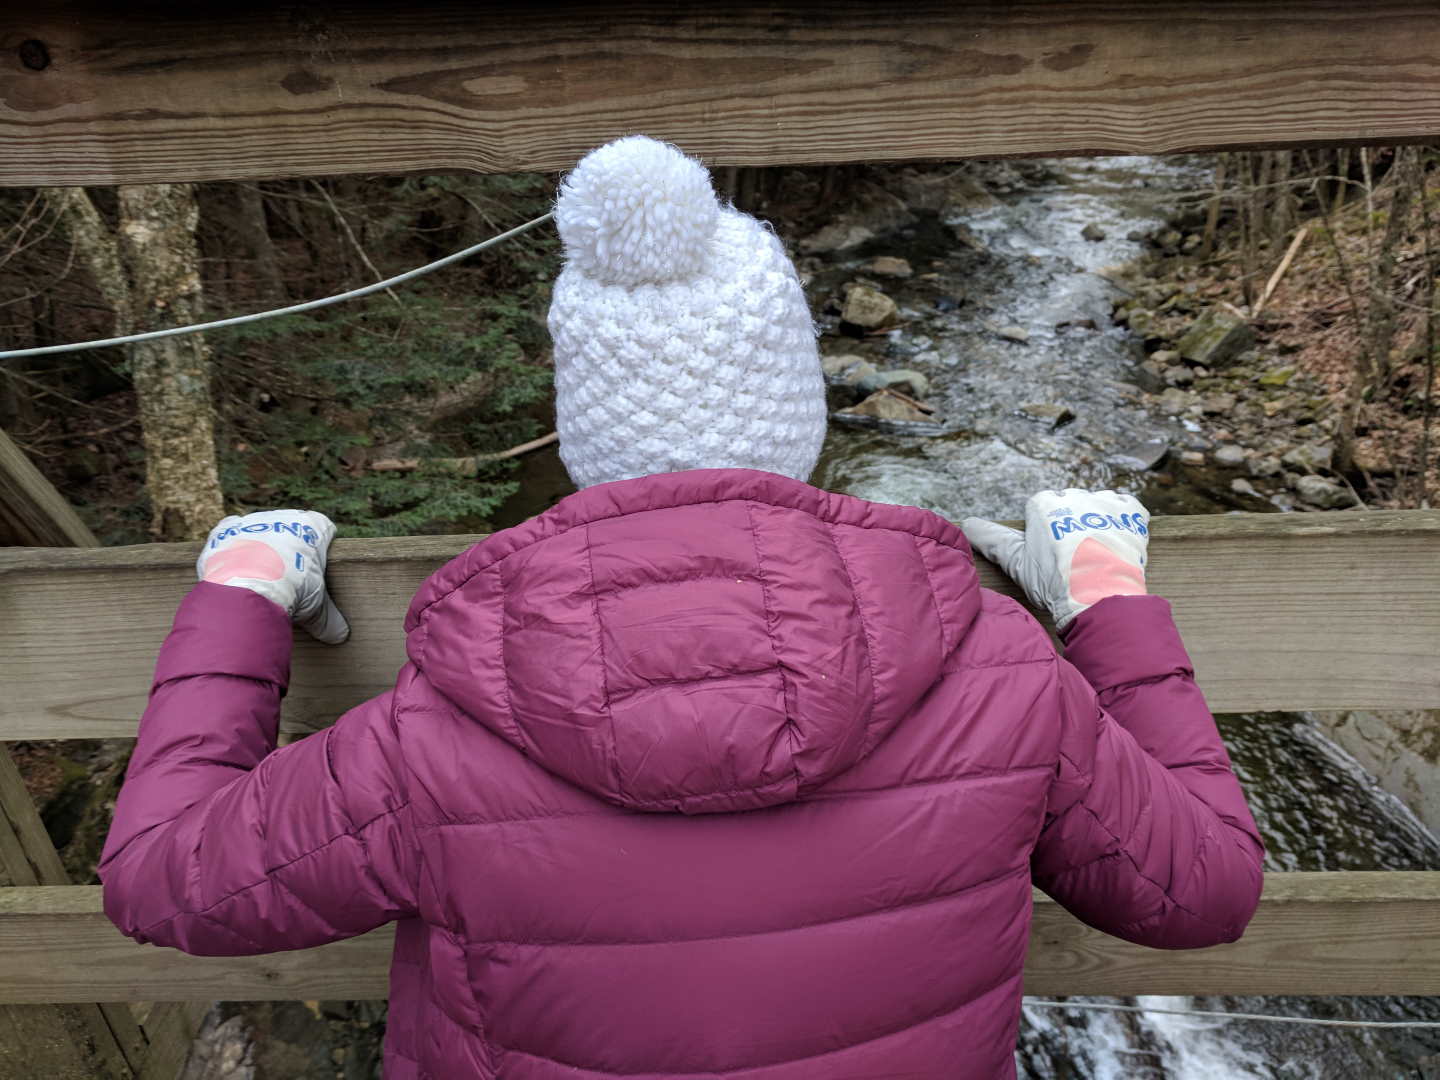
point(1280, 611)
point(1326, 933)
point(98, 93)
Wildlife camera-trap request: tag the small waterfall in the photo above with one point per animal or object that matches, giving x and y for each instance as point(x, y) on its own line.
point(1318, 809)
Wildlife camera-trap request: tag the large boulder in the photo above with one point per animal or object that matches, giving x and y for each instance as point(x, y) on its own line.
point(846, 368)
point(1142, 455)
point(1215, 338)
point(1052, 416)
point(1230, 456)
point(837, 236)
point(1317, 491)
point(883, 405)
point(1175, 401)
point(869, 309)
point(1310, 457)
point(889, 266)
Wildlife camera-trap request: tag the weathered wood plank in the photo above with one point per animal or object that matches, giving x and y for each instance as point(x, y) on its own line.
point(82, 1040)
point(86, 1040)
point(57, 945)
point(92, 93)
point(31, 510)
point(79, 1040)
point(170, 1028)
point(1326, 933)
point(27, 855)
point(1280, 611)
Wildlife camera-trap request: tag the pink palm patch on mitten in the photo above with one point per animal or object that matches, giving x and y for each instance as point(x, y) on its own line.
point(246, 559)
point(1097, 572)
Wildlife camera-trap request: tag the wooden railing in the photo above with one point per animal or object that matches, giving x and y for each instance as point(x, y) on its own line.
point(1294, 611)
point(1322, 933)
point(1283, 612)
point(99, 93)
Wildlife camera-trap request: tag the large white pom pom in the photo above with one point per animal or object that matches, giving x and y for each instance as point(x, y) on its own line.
point(637, 211)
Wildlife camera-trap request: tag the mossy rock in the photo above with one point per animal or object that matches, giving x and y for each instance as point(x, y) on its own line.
point(1278, 377)
point(1215, 338)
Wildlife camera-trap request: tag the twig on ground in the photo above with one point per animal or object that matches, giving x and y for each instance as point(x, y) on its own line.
point(465, 466)
point(1279, 273)
point(927, 409)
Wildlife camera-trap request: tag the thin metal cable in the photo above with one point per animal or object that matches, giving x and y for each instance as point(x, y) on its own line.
point(1312, 1020)
point(293, 309)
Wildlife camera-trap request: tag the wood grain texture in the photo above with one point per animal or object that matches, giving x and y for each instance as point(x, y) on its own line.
point(170, 1028)
point(31, 510)
point(27, 854)
point(1325, 933)
point(1279, 611)
point(81, 1040)
point(94, 93)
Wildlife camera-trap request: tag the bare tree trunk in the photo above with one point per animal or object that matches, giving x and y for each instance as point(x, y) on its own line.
point(148, 270)
point(1431, 270)
point(1212, 213)
point(251, 225)
point(1383, 283)
point(172, 375)
point(1371, 369)
point(96, 245)
point(1283, 200)
point(1342, 173)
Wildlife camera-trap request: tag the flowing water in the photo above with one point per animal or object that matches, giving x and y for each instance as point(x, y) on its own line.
point(1023, 263)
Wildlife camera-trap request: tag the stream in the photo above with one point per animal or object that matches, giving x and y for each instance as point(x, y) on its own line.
point(1023, 264)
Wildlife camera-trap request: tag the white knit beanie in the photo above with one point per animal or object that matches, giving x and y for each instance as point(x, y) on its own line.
point(682, 336)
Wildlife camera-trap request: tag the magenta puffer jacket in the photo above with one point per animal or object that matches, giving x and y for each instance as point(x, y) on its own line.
point(709, 774)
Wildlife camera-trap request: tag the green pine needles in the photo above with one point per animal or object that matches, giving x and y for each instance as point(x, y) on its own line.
point(438, 375)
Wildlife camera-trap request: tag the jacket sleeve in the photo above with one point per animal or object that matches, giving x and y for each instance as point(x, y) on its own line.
point(1146, 835)
point(222, 845)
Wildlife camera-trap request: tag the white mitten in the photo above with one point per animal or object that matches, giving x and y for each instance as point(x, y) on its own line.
point(279, 554)
point(1078, 548)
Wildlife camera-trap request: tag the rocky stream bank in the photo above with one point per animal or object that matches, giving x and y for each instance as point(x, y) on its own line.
point(1251, 430)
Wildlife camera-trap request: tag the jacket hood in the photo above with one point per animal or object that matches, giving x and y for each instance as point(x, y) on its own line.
point(703, 641)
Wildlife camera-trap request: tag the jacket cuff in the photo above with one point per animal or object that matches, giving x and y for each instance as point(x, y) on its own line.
point(1126, 639)
point(227, 630)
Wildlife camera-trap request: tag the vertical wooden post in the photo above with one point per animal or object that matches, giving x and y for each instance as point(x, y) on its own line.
point(65, 1042)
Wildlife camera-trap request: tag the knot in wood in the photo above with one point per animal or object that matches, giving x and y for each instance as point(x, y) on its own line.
point(34, 55)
